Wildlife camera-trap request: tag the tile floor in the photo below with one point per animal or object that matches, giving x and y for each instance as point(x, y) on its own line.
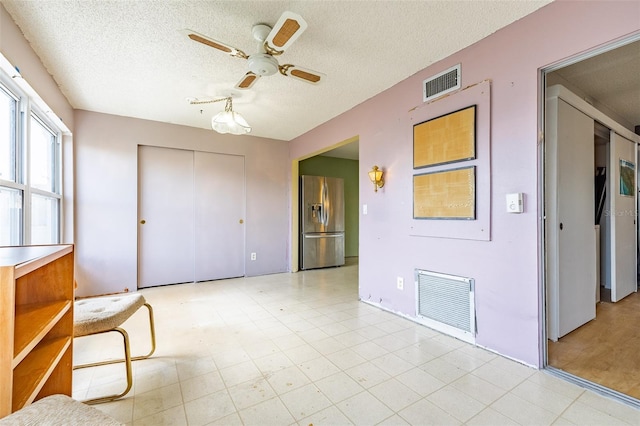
point(299, 349)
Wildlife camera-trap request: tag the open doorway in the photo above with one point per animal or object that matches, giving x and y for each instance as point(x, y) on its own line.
point(592, 116)
point(337, 161)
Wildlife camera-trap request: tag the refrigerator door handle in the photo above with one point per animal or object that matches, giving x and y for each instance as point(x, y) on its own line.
point(334, 235)
point(325, 212)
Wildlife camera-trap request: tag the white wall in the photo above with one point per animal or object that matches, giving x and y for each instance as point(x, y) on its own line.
point(106, 187)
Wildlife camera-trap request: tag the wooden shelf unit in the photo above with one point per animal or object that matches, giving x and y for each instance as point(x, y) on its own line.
point(36, 324)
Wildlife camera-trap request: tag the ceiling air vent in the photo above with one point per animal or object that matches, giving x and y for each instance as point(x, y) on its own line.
point(444, 82)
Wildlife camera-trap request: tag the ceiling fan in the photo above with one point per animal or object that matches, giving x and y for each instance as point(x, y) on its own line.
point(273, 42)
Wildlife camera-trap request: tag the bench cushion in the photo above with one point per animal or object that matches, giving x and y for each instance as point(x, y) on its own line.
point(98, 314)
point(58, 410)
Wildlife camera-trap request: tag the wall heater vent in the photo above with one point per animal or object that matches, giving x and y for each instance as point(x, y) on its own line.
point(442, 83)
point(446, 303)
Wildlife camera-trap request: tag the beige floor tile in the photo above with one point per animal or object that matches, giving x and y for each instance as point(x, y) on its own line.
point(240, 373)
point(415, 355)
point(330, 416)
point(209, 408)
point(394, 420)
point(497, 376)
point(369, 350)
point(121, 410)
point(287, 379)
point(523, 411)
point(367, 374)
point(442, 370)
point(273, 362)
point(304, 401)
point(338, 387)
point(478, 388)
point(251, 393)
point(288, 341)
point(424, 412)
point(542, 397)
point(610, 407)
point(392, 364)
point(420, 381)
point(394, 394)
point(456, 403)
point(345, 359)
point(318, 368)
point(556, 384)
point(490, 417)
point(582, 414)
point(157, 400)
point(172, 417)
point(300, 348)
point(303, 353)
point(270, 412)
point(327, 346)
point(199, 386)
point(364, 409)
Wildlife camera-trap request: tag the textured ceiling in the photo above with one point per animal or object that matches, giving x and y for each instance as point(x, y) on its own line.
point(611, 79)
point(129, 58)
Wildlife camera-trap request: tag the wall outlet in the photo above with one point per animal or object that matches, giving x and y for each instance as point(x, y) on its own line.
point(400, 283)
point(253, 256)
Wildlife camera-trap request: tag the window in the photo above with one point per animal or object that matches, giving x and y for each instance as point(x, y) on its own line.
point(30, 159)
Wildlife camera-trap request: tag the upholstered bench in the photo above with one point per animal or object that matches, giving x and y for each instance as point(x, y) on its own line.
point(58, 410)
point(106, 314)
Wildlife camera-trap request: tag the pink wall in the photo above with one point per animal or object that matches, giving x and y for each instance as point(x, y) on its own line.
point(106, 164)
point(506, 268)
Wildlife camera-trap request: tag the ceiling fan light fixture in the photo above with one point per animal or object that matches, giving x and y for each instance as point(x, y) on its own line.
point(229, 121)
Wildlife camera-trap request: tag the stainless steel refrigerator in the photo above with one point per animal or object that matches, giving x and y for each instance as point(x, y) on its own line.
point(321, 222)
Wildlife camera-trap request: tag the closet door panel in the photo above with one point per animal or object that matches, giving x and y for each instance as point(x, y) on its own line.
point(219, 216)
point(571, 245)
point(165, 222)
point(623, 217)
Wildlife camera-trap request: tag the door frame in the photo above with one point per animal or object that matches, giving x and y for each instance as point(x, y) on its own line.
point(542, 243)
point(295, 198)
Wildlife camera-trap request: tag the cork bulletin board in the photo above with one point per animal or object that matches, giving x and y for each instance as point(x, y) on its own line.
point(447, 194)
point(445, 139)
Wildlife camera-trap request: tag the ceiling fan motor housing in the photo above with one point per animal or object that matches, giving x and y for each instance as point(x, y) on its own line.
point(263, 64)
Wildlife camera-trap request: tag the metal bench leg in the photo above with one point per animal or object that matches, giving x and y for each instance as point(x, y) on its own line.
point(127, 360)
point(152, 331)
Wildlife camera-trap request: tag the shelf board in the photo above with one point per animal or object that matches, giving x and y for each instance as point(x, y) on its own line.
point(33, 322)
point(29, 258)
point(32, 373)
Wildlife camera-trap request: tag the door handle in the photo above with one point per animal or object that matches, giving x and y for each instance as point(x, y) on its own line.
point(241, 221)
point(142, 222)
point(561, 226)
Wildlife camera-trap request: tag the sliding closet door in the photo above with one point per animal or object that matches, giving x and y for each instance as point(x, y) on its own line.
point(623, 217)
point(165, 222)
point(571, 243)
point(219, 216)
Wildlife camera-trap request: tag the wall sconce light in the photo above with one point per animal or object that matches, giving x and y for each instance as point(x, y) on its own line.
point(376, 176)
point(227, 121)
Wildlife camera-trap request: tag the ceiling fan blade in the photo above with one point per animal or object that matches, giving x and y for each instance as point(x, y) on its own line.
point(247, 81)
point(288, 28)
point(304, 74)
point(215, 44)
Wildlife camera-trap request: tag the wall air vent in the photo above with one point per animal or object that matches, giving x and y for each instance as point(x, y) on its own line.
point(442, 83)
point(446, 303)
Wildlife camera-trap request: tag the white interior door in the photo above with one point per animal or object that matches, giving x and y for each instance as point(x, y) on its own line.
point(571, 253)
point(219, 219)
point(166, 232)
point(622, 186)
